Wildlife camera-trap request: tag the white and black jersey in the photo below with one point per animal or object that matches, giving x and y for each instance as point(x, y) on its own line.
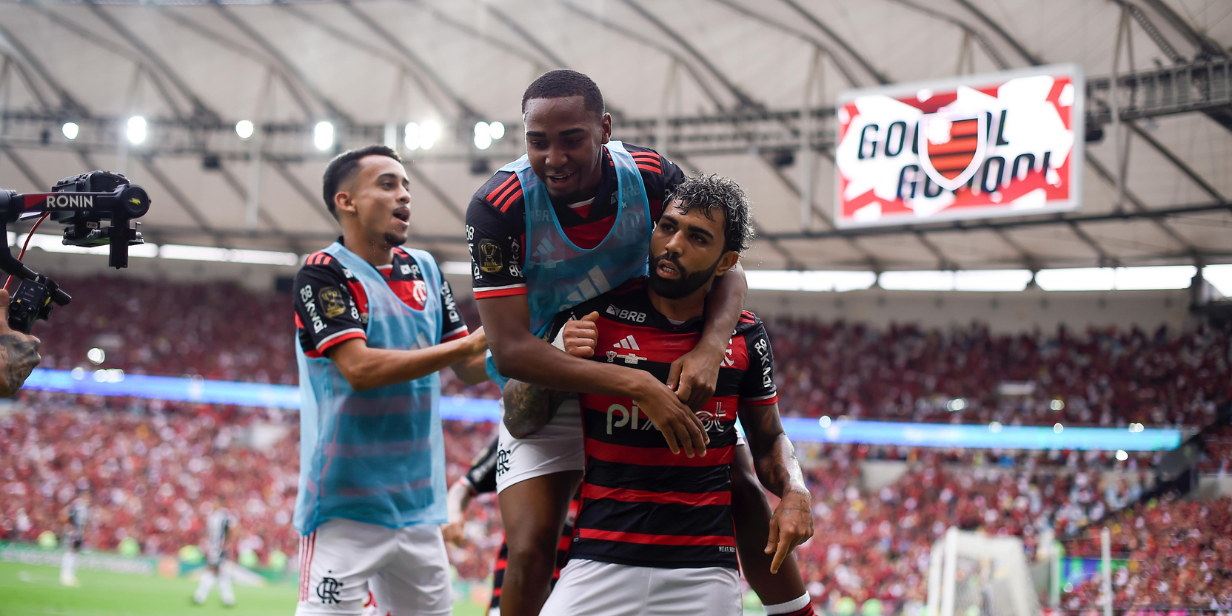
point(217, 526)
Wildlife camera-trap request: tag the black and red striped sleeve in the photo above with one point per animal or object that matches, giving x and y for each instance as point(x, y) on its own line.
point(757, 387)
point(326, 313)
point(495, 236)
point(660, 176)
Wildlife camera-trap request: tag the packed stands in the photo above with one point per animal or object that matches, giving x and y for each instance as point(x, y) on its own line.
point(221, 330)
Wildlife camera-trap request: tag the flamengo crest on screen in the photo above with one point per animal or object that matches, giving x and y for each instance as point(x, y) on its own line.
point(972, 147)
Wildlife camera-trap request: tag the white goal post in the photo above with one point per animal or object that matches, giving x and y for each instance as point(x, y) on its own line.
point(972, 574)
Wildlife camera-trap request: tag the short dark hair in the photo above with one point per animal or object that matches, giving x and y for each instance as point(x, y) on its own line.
point(563, 83)
point(711, 192)
point(343, 166)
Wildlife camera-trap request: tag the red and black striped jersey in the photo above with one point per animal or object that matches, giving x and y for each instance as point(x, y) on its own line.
point(496, 220)
point(642, 505)
point(331, 306)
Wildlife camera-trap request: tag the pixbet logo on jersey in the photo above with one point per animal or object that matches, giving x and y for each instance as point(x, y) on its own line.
point(971, 147)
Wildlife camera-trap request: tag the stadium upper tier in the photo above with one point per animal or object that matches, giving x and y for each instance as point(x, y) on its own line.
point(1101, 377)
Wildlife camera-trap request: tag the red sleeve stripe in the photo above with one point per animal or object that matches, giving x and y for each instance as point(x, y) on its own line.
point(461, 332)
point(517, 289)
point(609, 535)
point(508, 199)
point(649, 169)
point(340, 337)
point(771, 399)
point(495, 194)
point(318, 258)
point(647, 456)
point(623, 495)
point(645, 155)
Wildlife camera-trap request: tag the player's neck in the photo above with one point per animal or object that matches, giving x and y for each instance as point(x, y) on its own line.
point(688, 307)
point(376, 251)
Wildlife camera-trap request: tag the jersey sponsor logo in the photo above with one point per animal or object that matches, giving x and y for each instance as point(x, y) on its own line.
point(331, 301)
point(490, 257)
point(305, 295)
point(594, 285)
point(712, 420)
point(628, 417)
point(626, 315)
point(762, 347)
point(628, 342)
point(409, 269)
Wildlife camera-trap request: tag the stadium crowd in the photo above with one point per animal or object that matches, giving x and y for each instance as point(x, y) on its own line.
point(1101, 377)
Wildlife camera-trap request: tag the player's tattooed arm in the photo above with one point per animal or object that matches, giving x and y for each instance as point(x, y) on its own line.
point(774, 458)
point(529, 407)
point(695, 375)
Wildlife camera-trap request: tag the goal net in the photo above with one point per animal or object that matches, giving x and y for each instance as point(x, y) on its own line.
point(971, 574)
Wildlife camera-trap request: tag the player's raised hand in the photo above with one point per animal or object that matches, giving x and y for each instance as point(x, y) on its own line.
point(679, 425)
point(791, 525)
point(694, 376)
point(581, 337)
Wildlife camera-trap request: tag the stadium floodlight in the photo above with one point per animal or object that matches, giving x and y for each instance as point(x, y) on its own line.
point(1220, 277)
point(1058, 428)
point(496, 130)
point(1122, 455)
point(824, 421)
point(429, 132)
point(1057, 404)
point(1077, 279)
point(483, 136)
point(957, 404)
point(96, 356)
point(70, 130)
point(244, 129)
point(410, 136)
point(994, 427)
point(137, 130)
point(323, 135)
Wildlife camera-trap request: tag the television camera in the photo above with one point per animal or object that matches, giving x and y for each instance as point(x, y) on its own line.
point(81, 203)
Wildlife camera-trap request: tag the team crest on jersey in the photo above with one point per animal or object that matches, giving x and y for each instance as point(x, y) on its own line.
point(952, 147)
point(419, 292)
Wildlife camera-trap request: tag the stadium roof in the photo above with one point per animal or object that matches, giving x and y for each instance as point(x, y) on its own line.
point(709, 68)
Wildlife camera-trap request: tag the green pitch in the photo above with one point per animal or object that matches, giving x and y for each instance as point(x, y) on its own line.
point(31, 590)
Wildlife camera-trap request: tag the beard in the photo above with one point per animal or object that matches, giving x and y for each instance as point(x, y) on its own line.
point(684, 285)
point(394, 240)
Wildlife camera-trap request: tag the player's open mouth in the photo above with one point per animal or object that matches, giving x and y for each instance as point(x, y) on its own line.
point(403, 215)
point(559, 178)
point(666, 269)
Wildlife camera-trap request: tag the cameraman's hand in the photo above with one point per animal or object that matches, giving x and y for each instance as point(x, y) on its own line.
point(18, 352)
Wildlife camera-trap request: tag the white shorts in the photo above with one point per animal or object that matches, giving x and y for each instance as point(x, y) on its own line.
point(557, 446)
point(605, 589)
point(407, 570)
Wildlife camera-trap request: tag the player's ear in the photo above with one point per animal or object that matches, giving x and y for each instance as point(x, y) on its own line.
point(605, 128)
point(343, 203)
point(726, 262)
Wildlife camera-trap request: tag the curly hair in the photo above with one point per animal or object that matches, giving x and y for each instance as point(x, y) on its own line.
point(715, 192)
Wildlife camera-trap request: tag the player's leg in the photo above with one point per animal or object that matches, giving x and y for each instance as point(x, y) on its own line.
point(751, 513)
point(336, 561)
point(601, 589)
point(209, 575)
point(533, 512)
point(225, 591)
point(536, 478)
point(416, 581)
point(714, 591)
point(68, 564)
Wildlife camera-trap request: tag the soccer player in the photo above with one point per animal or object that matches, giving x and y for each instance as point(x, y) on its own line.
point(481, 479)
point(218, 528)
point(570, 220)
point(376, 323)
point(76, 517)
point(655, 533)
